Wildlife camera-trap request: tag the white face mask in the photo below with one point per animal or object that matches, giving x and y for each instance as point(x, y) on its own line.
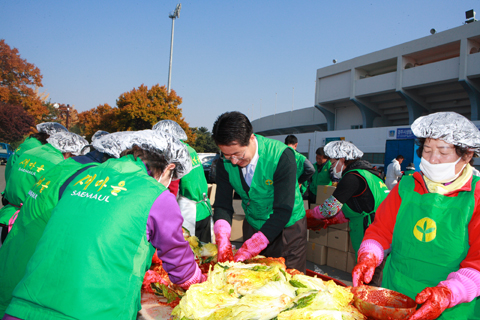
point(169, 180)
point(338, 174)
point(441, 172)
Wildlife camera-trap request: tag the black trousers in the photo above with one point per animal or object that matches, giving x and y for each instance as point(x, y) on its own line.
point(202, 230)
point(290, 244)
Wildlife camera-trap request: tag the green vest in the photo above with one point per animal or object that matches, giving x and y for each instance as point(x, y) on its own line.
point(379, 191)
point(430, 240)
point(321, 178)
point(194, 186)
point(91, 259)
point(28, 228)
point(258, 202)
point(28, 144)
point(300, 159)
point(25, 173)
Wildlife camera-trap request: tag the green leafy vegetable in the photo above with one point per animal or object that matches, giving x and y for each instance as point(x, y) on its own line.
point(297, 284)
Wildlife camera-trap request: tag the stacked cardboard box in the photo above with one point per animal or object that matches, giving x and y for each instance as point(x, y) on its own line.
point(333, 244)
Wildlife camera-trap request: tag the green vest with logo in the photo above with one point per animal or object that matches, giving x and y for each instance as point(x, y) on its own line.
point(409, 172)
point(28, 144)
point(194, 186)
point(25, 173)
point(430, 240)
point(379, 192)
point(29, 226)
point(321, 178)
point(91, 259)
point(258, 202)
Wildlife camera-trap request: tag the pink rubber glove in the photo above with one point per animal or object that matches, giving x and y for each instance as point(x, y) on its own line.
point(464, 285)
point(252, 247)
point(222, 231)
point(198, 277)
point(363, 271)
point(435, 300)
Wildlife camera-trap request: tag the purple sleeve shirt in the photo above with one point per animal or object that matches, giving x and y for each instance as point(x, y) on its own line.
point(164, 232)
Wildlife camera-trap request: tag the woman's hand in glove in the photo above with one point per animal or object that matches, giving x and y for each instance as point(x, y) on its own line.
point(363, 271)
point(252, 247)
point(222, 231)
point(435, 300)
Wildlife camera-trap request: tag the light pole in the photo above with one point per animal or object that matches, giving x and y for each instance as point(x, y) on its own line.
point(173, 16)
point(63, 108)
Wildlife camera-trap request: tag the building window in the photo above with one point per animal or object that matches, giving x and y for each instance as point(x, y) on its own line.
point(376, 158)
point(358, 126)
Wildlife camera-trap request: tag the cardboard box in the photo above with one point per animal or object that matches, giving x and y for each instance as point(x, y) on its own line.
point(318, 237)
point(237, 228)
point(212, 190)
point(323, 192)
point(337, 259)
point(350, 247)
point(237, 207)
point(338, 239)
point(342, 226)
point(313, 205)
point(316, 253)
point(351, 262)
point(305, 204)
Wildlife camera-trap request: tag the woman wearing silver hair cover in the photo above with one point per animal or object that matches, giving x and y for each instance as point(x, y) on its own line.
point(356, 198)
point(431, 221)
point(44, 130)
point(98, 242)
point(31, 165)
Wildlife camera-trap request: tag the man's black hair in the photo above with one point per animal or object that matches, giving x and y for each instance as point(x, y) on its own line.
point(291, 139)
point(232, 128)
point(400, 157)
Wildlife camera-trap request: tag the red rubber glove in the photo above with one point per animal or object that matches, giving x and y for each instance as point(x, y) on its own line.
point(222, 231)
point(252, 247)
point(363, 271)
point(198, 277)
point(312, 222)
point(435, 300)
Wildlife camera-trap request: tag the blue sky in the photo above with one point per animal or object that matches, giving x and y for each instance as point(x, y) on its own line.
point(256, 57)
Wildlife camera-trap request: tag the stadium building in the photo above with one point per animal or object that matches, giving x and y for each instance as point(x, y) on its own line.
point(373, 99)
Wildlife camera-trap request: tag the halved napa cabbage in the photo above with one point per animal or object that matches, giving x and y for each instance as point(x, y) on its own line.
point(200, 303)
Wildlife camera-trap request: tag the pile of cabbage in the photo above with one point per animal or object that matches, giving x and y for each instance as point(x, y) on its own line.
point(256, 291)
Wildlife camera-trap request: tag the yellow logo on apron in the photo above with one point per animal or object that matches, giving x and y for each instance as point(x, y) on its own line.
point(268, 182)
point(425, 230)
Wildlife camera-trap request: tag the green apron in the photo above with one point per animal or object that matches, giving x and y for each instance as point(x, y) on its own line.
point(194, 186)
point(429, 242)
point(25, 173)
point(28, 144)
point(320, 178)
point(95, 246)
point(29, 226)
point(258, 202)
point(409, 172)
point(300, 159)
point(380, 192)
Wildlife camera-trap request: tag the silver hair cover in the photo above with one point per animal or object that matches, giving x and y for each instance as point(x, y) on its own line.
point(450, 127)
point(171, 127)
point(98, 134)
point(51, 127)
point(69, 142)
point(342, 149)
point(174, 150)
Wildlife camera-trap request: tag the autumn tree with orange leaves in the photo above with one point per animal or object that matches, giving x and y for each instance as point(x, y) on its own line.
point(19, 80)
point(138, 109)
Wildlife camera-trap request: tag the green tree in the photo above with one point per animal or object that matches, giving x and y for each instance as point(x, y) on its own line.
point(204, 141)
